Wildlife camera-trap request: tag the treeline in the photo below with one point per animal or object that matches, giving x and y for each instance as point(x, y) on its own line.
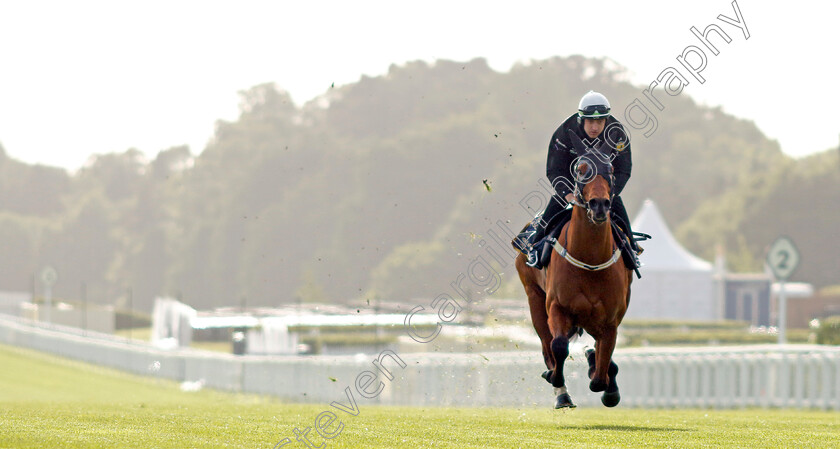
point(376, 191)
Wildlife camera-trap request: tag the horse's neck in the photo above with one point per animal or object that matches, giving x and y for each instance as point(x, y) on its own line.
point(587, 241)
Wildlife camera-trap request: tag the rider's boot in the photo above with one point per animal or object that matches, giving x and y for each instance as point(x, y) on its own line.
point(539, 233)
point(555, 206)
point(620, 213)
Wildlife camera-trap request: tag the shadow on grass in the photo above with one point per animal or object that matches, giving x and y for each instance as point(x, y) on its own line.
point(621, 428)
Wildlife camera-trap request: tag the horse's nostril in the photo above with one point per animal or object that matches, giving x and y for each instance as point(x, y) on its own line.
point(598, 203)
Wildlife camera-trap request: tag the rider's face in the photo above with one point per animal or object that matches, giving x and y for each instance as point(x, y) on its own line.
point(593, 126)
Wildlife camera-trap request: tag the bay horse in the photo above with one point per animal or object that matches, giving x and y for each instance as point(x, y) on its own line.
point(586, 284)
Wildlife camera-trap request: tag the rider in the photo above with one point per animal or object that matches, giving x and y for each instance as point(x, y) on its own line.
point(593, 123)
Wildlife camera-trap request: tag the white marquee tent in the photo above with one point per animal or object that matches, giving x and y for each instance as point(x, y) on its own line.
point(675, 284)
point(171, 323)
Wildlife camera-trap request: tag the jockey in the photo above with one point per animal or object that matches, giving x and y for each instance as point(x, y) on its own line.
point(593, 123)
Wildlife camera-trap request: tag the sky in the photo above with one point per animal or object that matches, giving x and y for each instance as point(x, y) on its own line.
point(89, 77)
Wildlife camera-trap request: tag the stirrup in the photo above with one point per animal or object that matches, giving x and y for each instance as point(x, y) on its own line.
point(532, 259)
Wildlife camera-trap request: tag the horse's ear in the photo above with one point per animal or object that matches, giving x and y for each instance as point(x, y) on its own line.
point(581, 168)
point(577, 143)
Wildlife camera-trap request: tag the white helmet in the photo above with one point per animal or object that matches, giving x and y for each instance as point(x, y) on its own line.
point(594, 105)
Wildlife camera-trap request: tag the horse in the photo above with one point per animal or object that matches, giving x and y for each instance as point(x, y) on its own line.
point(586, 284)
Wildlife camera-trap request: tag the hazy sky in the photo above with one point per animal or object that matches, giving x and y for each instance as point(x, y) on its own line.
point(84, 77)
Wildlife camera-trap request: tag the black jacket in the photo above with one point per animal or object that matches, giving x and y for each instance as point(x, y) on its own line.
point(561, 153)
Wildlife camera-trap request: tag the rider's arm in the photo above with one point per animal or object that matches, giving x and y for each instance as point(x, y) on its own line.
point(623, 162)
point(622, 165)
point(558, 163)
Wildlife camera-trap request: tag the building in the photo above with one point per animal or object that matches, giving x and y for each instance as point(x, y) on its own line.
point(675, 284)
point(316, 329)
point(746, 297)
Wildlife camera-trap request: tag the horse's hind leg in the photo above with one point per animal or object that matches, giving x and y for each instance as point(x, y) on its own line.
point(539, 318)
point(537, 307)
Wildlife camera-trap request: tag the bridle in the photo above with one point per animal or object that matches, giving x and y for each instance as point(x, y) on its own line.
point(578, 201)
point(600, 169)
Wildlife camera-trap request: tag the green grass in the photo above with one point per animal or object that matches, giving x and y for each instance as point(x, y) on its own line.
point(700, 333)
point(51, 402)
point(648, 324)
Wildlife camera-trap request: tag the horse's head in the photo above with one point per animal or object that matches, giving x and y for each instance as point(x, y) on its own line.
point(593, 181)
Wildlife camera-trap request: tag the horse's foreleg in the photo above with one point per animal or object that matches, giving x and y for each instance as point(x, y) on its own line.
point(559, 327)
point(603, 353)
point(611, 397)
point(560, 349)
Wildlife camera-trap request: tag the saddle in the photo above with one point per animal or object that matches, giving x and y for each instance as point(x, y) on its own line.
point(522, 242)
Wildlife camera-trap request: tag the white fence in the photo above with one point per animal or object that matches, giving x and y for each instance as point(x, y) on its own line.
point(720, 377)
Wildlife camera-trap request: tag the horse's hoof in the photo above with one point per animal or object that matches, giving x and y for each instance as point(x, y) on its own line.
point(547, 375)
point(597, 385)
point(564, 401)
point(611, 399)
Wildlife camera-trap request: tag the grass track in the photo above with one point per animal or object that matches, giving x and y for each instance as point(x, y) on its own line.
point(48, 402)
